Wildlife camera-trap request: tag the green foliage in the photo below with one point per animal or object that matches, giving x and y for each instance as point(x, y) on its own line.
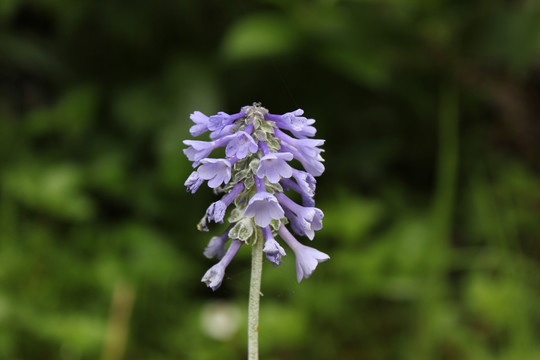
point(431, 194)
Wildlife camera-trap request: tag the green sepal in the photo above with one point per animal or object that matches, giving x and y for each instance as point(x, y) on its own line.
point(236, 215)
point(268, 126)
point(260, 135)
point(254, 165)
point(273, 144)
point(243, 230)
point(273, 188)
point(275, 224)
point(240, 175)
point(249, 182)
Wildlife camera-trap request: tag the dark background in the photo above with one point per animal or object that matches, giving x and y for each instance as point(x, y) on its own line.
point(431, 192)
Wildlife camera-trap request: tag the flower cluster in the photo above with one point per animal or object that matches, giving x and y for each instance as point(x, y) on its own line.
point(253, 177)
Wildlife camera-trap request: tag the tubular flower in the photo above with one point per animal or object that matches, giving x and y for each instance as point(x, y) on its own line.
point(253, 176)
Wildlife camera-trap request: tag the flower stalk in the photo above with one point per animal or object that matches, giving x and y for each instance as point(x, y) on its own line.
point(254, 299)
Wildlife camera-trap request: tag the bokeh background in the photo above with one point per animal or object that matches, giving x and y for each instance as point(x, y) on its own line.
point(431, 192)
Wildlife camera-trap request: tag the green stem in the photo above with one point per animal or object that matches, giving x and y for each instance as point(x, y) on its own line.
point(254, 299)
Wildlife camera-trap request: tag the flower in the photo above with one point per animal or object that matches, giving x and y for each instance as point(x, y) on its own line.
point(216, 245)
point(214, 275)
point(306, 147)
point(305, 220)
point(295, 123)
point(272, 249)
point(193, 182)
point(216, 211)
point(217, 171)
point(264, 207)
point(240, 145)
point(252, 176)
point(307, 258)
point(274, 166)
point(198, 150)
point(313, 165)
point(201, 123)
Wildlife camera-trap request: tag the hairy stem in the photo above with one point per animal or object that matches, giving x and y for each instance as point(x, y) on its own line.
point(254, 298)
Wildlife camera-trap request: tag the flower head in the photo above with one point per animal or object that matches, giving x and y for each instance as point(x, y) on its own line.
point(252, 177)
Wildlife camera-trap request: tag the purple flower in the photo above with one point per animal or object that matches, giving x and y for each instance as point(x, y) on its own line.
point(272, 249)
point(274, 166)
point(221, 119)
point(305, 181)
point(240, 145)
point(298, 125)
point(313, 165)
point(264, 207)
point(306, 220)
point(198, 150)
point(201, 123)
point(306, 147)
point(216, 245)
point(221, 133)
point(216, 211)
point(214, 275)
point(307, 258)
point(216, 171)
point(193, 182)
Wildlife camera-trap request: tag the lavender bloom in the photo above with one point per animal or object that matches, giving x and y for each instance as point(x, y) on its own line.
point(274, 166)
point(214, 275)
point(264, 207)
point(310, 218)
point(307, 198)
point(216, 245)
point(222, 119)
point(272, 249)
point(307, 258)
point(218, 134)
point(240, 145)
point(193, 182)
point(198, 150)
point(201, 123)
point(295, 123)
point(216, 211)
point(217, 171)
point(312, 165)
point(252, 176)
point(306, 182)
point(306, 147)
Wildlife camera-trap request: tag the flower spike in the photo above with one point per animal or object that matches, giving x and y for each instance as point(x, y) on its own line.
point(253, 176)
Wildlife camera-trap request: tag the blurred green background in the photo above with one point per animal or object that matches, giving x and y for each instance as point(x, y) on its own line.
point(431, 191)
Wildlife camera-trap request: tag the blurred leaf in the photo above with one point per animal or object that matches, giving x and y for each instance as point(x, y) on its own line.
point(71, 116)
point(350, 218)
point(56, 190)
point(259, 36)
